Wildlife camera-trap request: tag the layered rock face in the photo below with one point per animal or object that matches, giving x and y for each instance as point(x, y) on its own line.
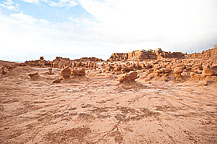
point(208, 54)
point(140, 55)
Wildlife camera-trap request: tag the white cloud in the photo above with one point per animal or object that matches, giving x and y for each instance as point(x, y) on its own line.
point(171, 24)
point(59, 3)
point(9, 4)
point(43, 21)
point(31, 1)
point(24, 18)
point(24, 37)
point(62, 3)
point(120, 26)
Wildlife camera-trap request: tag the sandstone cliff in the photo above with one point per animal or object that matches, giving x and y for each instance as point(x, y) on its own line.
point(140, 55)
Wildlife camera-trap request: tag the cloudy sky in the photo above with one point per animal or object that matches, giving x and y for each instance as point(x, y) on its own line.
point(77, 28)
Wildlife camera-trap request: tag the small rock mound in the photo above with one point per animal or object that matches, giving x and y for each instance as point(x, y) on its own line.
point(57, 80)
point(50, 71)
point(33, 75)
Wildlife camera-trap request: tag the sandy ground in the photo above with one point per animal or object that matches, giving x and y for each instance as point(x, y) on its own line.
point(97, 109)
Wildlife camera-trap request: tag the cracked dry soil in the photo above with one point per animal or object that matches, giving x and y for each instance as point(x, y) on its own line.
point(99, 110)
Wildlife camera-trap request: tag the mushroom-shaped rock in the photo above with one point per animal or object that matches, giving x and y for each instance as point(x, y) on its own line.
point(177, 72)
point(50, 71)
point(65, 73)
point(78, 72)
point(3, 71)
point(131, 76)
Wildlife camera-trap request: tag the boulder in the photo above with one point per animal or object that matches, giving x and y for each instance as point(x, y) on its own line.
point(214, 69)
point(178, 70)
point(131, 76)
point(3, 70)
point(50, 71)
point(177, 73)
point(66, 73)
point(203, 83)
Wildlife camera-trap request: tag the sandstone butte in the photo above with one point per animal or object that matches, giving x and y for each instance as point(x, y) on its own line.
point(143, 96)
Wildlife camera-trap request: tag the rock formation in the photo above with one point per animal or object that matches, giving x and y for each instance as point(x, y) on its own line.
point(208, 54)
point(50, 71)
point(78, 72)
point(66, 73)
point(140, 55)
point(57, 80)
point(33, 75)
point(86, 59)
point(128, 77)
point(149, 64)
point(118, 57)
point(60, 62)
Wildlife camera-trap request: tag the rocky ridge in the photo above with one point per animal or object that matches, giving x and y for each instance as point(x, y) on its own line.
point(150, 65)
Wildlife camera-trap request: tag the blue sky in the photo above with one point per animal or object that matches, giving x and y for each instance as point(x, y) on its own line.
point(78, 28)
point(60, 12)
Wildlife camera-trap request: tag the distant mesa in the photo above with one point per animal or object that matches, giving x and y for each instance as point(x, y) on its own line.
point(140, 55)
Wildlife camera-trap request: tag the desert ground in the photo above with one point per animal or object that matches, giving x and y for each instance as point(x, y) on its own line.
point(97, 109)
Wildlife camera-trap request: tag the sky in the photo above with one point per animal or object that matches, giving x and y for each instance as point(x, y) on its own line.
point(84, 28)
